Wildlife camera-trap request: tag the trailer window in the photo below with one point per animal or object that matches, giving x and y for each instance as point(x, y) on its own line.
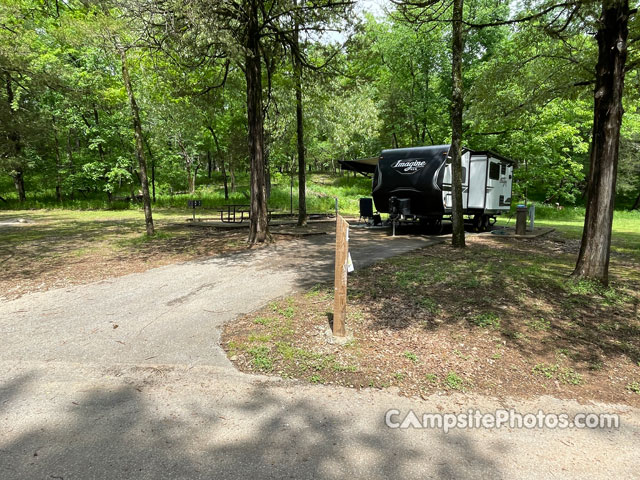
point(503, 169)
point(494, 171)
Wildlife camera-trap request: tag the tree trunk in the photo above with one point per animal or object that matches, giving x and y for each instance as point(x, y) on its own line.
point(153, 180)
point(302, 194)
point(70, 165)
point(224, 179)
point(636, 204)
point(137, 132)
point(97, 121)
point(209, 164)
point(593, 260)
point(153, 169)
point(222, 162)
point(457, 103)
point(258, 228)
point(190, 182)
point(18, 181)
point(14, 136)
point(58, 166)
point(232, 174)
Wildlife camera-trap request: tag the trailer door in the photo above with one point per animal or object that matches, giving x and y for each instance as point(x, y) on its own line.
point(446, 182)
point(506, 180)
point(477, 181)
point(494, 185)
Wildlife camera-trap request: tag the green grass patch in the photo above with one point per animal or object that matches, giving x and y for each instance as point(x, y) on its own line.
point(456, 382)
point(263, 321)
point(545, 370)
point(261, 358)
point(259, 338)
point(565, 375)
point(486, 320)
point(411, 356)
point(539, 324)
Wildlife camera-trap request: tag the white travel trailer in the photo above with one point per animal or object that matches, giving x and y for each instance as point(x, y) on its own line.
point(415, 183)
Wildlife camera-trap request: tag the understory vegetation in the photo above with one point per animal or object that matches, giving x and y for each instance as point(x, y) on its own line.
point(322, 189)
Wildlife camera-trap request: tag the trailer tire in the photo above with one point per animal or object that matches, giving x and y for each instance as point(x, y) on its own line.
point(478, 220)
point(431, 226)
point(485, 223)
point(436, 226)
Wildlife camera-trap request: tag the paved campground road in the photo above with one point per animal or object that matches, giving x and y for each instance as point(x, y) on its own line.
point(125, 379)
point(173, 314)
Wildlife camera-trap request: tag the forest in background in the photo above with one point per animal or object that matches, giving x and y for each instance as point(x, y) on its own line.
point(381, 82)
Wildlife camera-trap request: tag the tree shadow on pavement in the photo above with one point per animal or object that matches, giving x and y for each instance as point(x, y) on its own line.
point(127, 432)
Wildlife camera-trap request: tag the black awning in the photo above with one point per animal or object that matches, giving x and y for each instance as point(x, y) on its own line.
point(365, 166)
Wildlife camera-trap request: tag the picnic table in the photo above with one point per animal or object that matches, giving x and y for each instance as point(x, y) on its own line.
point(237, 213)
point(234, 213)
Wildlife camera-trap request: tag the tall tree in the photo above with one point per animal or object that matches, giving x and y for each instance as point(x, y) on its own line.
point(258, 29)
point(611, 36)
point(13, 135)
point(593, 259)
point(137, 132)
point(457, 106)
point(432, 12)
point(258, 230)
point(302, 194)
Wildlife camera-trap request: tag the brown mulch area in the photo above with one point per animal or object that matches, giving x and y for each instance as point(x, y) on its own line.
point(501, 318)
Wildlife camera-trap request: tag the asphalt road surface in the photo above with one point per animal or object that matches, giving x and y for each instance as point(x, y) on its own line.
point(125, 378)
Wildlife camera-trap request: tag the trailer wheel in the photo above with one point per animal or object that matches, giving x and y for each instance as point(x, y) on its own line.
point(431, 226)
point(477, 222)
point(436, 226)
point(485, 224)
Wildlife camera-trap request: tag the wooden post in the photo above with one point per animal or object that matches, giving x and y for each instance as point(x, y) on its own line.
point(340, 287)
point(521, 220)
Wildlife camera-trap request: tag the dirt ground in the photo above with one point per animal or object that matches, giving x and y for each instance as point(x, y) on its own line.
point(501, 318)
point(52, 250)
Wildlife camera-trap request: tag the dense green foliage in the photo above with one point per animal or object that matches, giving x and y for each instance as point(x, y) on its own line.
point(65, 126)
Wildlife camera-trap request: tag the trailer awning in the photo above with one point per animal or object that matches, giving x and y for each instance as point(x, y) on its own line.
point(365, 166)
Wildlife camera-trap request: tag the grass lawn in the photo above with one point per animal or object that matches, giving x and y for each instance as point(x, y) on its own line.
point(500, 318)
point(85, 239)
point(626, 227)
point(321, 191)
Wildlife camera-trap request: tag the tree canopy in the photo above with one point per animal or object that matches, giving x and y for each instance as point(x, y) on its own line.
point(369, 82)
